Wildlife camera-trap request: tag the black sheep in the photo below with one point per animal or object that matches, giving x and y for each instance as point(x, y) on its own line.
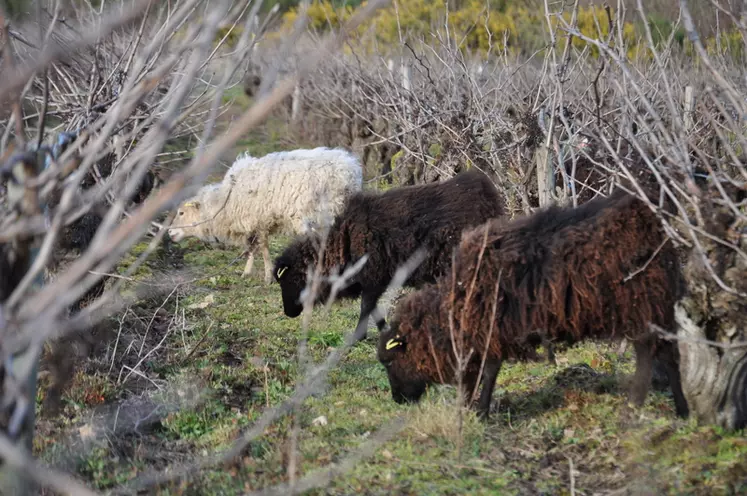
point(389, 227)
point(604, 270)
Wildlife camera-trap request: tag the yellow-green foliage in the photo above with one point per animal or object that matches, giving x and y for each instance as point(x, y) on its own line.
point(593, 23)
point(475, 26)
point(322, 15)
point(233, 35)
point(729, 44)
point(417, 18)
point(479, 28)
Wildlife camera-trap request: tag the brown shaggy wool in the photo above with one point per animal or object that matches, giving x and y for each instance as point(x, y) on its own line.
point(389, 227)
point(602, 271)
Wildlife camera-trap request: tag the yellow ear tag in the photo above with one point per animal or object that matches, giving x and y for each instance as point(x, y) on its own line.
point(281, 272)
point(392, 343)
point(189, 204)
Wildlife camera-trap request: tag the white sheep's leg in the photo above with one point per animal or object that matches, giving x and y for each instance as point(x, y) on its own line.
point(264, 241)
point(249, 264)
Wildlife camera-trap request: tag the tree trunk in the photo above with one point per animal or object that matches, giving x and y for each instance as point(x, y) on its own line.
point(714, 379)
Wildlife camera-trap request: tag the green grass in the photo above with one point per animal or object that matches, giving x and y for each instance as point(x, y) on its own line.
point(242, 352)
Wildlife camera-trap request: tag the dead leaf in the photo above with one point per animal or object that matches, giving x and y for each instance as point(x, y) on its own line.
point(209, 300)
point(86, 432)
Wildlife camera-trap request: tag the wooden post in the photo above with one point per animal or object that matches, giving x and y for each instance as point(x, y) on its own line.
point(390, 66)
point(543, 160)
point(406, 77)
point(476, 71)
point(545, 178)
point(118, 147)
point(689, 109)
point(296, 105)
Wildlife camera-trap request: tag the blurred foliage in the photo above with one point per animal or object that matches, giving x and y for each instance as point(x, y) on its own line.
point(593, 22)
point(662, 28)
point(16, 9)
point(503, 26)
point(231, 33)
point(729, 44)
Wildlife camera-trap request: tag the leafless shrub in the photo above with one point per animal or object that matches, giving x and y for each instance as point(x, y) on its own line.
point(147, 72)
point(449, 113)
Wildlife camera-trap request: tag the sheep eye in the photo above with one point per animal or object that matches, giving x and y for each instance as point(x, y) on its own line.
point(181, 213)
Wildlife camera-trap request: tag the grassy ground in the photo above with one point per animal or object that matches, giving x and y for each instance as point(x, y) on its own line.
point(195, 363)
point(555, 426)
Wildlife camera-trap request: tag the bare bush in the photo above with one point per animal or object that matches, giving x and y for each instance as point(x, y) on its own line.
point(129, 82)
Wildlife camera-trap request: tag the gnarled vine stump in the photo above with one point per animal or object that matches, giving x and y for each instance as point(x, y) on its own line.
point(714, 379)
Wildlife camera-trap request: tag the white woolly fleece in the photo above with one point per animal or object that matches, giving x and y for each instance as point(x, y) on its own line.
point(279, 192)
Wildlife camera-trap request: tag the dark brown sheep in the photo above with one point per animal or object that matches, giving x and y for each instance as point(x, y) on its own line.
point(602, 271)
point(389, 227)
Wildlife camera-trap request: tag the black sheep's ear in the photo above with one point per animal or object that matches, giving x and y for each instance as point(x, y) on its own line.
point(396, 343)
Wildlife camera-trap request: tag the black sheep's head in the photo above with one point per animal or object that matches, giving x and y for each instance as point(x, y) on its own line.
point(292, 282)
point(406, 383)
point(290, 272)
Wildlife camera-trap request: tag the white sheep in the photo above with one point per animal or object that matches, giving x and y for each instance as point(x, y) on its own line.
point(284, 192)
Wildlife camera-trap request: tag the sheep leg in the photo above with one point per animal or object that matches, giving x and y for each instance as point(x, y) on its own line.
point(249, 264)
point(378, 318)
point(368, 307)
point(489, 376)
point(667, 354)
point(550, 351)
point(361, 332)
point(265, 244)
point(251, 247)
point(644, 358)
point(469, 380)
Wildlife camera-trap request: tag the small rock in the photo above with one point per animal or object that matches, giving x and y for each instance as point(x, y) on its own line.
point(319, 421)
point(387, 454)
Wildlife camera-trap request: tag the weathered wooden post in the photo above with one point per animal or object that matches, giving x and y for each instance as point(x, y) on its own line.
point(406, 76)
point(296, 105)
point(689, 108)
point(545, 176)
